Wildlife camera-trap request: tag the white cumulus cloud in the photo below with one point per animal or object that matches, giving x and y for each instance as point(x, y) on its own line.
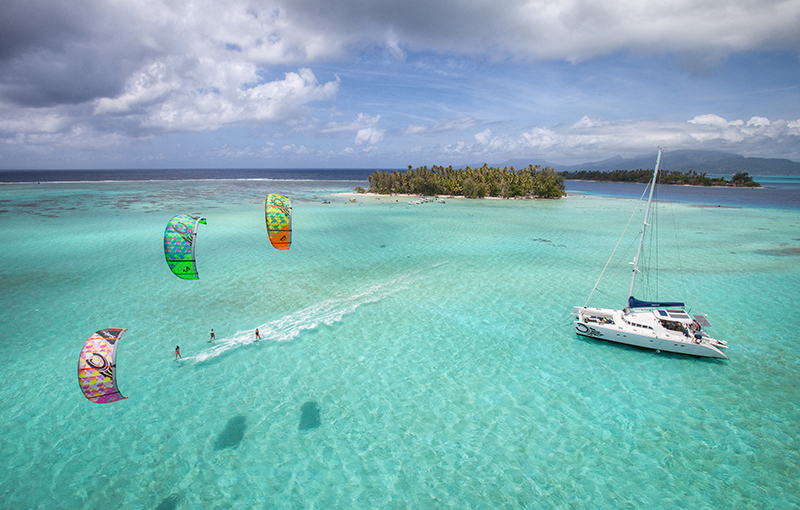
point(484, 136)
point(369, 136)
point(229, 100)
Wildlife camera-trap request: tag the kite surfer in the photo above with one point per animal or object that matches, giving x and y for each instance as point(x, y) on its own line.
point(212, 335)
point(258, 336)
point(178, 352)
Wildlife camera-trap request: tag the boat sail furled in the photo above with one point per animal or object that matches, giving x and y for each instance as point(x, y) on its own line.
point(659, 325)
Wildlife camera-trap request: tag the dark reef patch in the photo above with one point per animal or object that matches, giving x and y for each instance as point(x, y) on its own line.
point(547, 241)
point(309, 416)
point(781, 252)
point(170, 503)
point(233, 434)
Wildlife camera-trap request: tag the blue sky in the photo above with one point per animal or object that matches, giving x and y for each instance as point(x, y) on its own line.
point(360, 84)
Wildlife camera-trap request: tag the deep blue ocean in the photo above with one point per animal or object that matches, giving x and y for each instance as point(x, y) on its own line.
point(411, 356)
point(185, 174)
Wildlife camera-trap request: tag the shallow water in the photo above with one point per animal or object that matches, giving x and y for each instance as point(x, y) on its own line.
point(411, 356)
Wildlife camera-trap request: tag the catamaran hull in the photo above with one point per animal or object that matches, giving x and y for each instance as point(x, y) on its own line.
point(646, 340)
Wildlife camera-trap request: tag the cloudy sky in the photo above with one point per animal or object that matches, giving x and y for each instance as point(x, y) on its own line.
point(388, 83)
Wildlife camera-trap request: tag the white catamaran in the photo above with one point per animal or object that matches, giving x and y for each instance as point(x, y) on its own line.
point(663, 326)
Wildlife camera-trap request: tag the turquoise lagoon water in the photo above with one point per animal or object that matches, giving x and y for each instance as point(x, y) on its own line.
point(411, 356)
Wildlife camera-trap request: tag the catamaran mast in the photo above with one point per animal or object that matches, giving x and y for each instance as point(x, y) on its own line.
point(644, 225)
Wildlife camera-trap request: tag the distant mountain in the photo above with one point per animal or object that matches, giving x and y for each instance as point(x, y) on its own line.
point(713, 163)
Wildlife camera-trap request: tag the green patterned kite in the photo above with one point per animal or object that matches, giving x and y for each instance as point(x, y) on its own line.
point(179, 245)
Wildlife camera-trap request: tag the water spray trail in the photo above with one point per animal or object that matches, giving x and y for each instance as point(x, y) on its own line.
point(327, 312)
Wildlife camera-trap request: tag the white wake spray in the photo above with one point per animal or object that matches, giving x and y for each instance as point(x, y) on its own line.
point(327, 312)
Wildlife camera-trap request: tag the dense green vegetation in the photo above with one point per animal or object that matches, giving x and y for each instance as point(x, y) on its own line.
point(741, 179)
point(485, 181)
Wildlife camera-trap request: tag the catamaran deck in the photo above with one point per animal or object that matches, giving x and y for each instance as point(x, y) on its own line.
point(661, 329)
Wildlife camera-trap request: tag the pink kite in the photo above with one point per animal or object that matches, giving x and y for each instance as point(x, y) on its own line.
point(97, 367)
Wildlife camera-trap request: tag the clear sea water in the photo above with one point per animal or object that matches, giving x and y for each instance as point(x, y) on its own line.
point(411, 356)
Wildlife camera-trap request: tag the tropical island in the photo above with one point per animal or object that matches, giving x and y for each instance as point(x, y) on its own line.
point(486, 181)
point(741, 179)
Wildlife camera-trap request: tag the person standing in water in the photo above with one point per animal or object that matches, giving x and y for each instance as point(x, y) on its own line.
point(258, 336)
point(212, 335)
point(178, 352)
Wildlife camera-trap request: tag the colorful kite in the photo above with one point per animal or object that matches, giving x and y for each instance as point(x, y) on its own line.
point(278, 209)
point(97, 366)
point(179, 245)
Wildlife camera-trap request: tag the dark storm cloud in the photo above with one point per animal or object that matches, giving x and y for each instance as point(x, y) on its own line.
point(37, 24)
point(543, 29)
point(64, 52)
point(463, 26)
